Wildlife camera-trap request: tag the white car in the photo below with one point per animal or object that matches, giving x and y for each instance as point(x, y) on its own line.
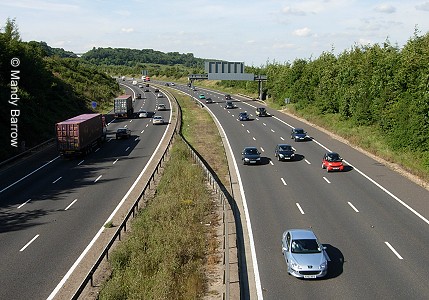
point(160, 95)
point(162, 107)
point(157, 120)
point(143, 114)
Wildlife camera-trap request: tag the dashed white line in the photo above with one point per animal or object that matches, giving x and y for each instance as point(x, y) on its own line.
point(264, 124)
point(262, 149)
point(247, 130)
point(115, 161)
point(307, 162)
point(147, 124)
point(56, 180)
point(284, 182)
point(24, 203)
point(326, 179)
point(109, 140)
point(81, 162)
point(97, 149)
point(128, 148)
point(352, 206)
point(74, 201)
point(282, 138)
point(271, 163)
point(28, 244)
point(125, 126)
point(272, 130)
point(131, 121)
point(98, 178)
point(136, 139)
point(393, 250)
point(142, 131)
point(300, 209)
point(254, 138)
point(242, 124)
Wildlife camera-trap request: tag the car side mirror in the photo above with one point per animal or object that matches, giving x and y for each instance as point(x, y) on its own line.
point(284, 248)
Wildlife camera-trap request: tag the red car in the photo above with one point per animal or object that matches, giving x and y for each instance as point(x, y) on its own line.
point(332, 162)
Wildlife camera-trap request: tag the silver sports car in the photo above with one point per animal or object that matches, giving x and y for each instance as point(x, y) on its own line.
point(304, 254)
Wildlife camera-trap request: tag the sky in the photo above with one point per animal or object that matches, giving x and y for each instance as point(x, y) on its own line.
point(253, 32)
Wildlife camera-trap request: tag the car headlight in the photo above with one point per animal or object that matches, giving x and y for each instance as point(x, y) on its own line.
point(281, 155)
point(246, 159)
point(294, 265)
point(258, 158)
point(324, 265)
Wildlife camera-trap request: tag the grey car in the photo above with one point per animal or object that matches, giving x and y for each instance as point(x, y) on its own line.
point(284, 152)
point(251, 155)
point(298, 134)
point(305, 256)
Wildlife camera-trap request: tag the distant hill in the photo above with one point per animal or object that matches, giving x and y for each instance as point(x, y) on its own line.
point(131, 57)
point(49, 51)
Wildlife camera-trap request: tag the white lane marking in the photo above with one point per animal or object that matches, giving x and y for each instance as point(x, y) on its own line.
point(29, 174)
point(326, 179)
point(56, 180)
point(264, 124)
point(352, 206)
point(257, 119)
point(115, 161)
point(307, 161)
point(74, 201)
point(97, 149)
point(393, 250)
point(24, 203)
point(131, 121)
point(284, 182)
point(147, 124)
point(300, 209)
point(271, 163)
point(254, 138)
point(98, 178)
point(247, 130)
point(125, 126)
point(128, 148)
point(242, 124)
point(28, 244)
point(272, 130)
point(100, 231)
point(109, 139)
point(262, 149)
point(142, 131)
point(282, 138)
point(136, 139)
point(81, 162)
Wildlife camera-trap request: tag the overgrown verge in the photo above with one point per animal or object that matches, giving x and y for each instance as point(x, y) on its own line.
point(165, 255)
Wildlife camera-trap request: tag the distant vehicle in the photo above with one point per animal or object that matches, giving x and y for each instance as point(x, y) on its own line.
point(147, 78)
point(134, 82)
point(194, 89)
point(147, 84)
point(123, 78)
point(80, 134)
point(202, 96)
point(140, 85)
point(167, 84)
point(228, 97)
point(209, 100)
point(156, 91)
point(332, 161)
point(162, 106)
point(123, 106)
point(284, 152)
point(305, 256)
point(160, 95)
point(142, 114)
point(138, 96)
point(251, 155)
point(157, 120)
point(243, 116)
point(172, 84)
point(189, 84)
point(229, 105)
point(123, 133)
point(261, 112)
point(298, 134)
point(146, 89)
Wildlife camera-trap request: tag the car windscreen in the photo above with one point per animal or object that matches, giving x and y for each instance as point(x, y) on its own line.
point(251, 151)
point(299, 131)
point(305, 246)
point(285, 148)
point(334, 157)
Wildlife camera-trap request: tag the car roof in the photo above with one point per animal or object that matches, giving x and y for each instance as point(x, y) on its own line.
point(304, 234)
point(283, 145)
point(250, 147)
point(298, 129)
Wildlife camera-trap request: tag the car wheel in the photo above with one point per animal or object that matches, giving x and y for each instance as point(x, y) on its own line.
point(278, 157)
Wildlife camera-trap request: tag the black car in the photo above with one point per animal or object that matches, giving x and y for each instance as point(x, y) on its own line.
point(251, 155)
point(209, 100)
point(298, 134)
point(243, 116)
point(229, 105)
point(261, 112)
point(284, 152)
point(123, 133)
point(227, 97)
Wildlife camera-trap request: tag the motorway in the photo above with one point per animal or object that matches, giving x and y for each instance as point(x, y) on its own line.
point(51, 208)
point(373, 221)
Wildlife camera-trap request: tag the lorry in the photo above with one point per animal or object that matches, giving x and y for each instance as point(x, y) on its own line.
point(80, 134)
point(123, 106)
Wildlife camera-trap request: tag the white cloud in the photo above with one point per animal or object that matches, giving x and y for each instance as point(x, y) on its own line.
point(292, 11)
point(302, 32)
point(127, 29)
point(41, 5)
point(385, 8)
point(423, 6)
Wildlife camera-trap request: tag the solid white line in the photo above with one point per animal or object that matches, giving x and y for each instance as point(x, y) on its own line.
point(284, 182)
point(56, 180)
point(393, 250)
point(28, 244)
point(326, 179)
point(128, 148)
point(300, 209)
point(74, 201)
point(29, 174)
point(98, 178)
point(24, 203)
point(81, 162)
point(307, 162)
point(94, 239)
point(352, 206)
point(115, 161)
